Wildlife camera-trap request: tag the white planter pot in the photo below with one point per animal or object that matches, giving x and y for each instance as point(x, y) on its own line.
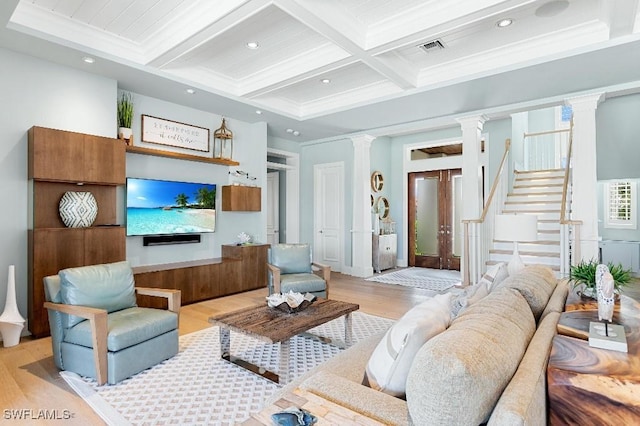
point(78, 209)
point(124, 133)
point(11, 322)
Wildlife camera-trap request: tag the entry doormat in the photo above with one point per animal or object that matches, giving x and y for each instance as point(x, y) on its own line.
point(428, 279)
point(197, 387)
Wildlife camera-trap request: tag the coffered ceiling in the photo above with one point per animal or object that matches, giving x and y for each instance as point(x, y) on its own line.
point(332, 66)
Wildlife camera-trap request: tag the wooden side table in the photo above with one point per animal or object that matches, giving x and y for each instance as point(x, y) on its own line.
point(327, 412)
point(589, 385)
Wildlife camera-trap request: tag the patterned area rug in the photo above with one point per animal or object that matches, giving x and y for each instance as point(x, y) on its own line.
point(428, 279)
point(196, 387)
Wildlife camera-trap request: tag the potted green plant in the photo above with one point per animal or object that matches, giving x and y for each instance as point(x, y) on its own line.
point(584, 274)
point(125, 115)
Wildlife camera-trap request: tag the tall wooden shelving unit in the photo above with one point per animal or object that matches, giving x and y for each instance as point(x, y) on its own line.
point(61, 161)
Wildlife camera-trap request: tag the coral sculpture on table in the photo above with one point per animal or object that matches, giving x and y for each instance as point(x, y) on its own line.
point(604, 288)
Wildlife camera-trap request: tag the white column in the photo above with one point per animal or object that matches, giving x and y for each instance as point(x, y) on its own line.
point(584, 201)
point(471, 182)
point(471, 171)
point(519, 153)
point(361, 227)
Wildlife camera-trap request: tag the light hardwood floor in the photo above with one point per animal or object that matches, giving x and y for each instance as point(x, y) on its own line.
point(29, 379)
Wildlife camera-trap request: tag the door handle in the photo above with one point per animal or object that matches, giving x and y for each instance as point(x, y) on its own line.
point(320, 231)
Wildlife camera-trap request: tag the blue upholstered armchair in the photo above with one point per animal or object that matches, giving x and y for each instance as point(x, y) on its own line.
point(98, 331)
point(291, 268)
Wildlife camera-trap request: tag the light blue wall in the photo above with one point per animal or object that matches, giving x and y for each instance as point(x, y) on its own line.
point(283, 144)
point(618, 138)
point(618, 153)
point(249, 149)
point(330, 152)
point(380, 154)
point(36, 92)
point(497, 132)
point(542, 120)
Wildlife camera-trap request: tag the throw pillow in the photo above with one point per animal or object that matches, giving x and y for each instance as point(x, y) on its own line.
point(468, 297)
point(495, 275)
point(390, 361)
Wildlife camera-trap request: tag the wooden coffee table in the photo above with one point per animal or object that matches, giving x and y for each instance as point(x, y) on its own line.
point(274, 326)
point(327, 412)
point(588, 385)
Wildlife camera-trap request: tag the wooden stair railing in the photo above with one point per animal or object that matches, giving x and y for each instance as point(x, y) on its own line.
point(567, 255)
point(480, 230)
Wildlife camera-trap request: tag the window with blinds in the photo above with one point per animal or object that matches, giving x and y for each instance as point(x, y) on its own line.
point(620, 204)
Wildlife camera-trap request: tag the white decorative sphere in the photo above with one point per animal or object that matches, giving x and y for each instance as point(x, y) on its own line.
point(78, 209)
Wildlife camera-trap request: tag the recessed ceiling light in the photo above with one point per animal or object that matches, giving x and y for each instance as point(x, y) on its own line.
point(325, 81)
point(258, 112)
point(88, 59)
point(296, 133)
point(504, 23)
point(253, 45)
point(289, 130)
point(190, 91)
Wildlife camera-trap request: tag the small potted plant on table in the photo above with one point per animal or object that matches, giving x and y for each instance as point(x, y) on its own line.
point(584, 274)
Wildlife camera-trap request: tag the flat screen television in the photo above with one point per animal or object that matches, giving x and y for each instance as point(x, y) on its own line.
point(161, 207)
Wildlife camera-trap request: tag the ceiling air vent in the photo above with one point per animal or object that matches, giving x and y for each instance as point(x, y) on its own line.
point(432, 46)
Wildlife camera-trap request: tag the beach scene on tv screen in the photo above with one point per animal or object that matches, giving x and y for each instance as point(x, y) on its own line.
point(157, 207)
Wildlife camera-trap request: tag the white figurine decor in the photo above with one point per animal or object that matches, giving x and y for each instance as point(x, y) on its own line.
point(244, 238)
point(604, 290)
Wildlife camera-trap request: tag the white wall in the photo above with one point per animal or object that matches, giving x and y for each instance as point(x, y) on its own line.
point(36, 92)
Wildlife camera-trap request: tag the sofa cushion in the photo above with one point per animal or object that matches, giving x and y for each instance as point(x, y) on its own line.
point(301, 283)
point(467, 297)
point(536, 284)
point(127, 327)
point(389, 364)
point(458, 376)
point(524, 400)
point(108, 286)
point(494, 275)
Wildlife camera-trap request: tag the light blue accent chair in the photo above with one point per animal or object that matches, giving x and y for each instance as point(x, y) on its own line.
point(97, 329)
point(291, 268)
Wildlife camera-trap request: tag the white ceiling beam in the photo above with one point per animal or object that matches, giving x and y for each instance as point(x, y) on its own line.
point(315, 16)
point(241, 13)
point(620, 15)
point(258, 85)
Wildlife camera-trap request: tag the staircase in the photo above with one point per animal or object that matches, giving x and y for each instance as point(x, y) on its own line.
point(538, 193)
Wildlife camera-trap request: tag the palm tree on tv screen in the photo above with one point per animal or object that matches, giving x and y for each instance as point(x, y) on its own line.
point(206, 198)
point(182, 200)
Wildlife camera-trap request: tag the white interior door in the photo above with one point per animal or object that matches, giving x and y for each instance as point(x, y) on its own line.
point(273, 207)
point(328, 184)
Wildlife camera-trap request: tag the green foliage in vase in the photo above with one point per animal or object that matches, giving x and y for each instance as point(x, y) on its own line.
point(125, 110)
point(585, 273)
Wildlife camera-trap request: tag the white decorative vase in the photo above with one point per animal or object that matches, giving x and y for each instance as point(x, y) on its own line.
point(11, 322)
point(78, 209)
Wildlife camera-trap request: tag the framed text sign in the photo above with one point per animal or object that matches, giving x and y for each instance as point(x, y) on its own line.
point(172, 133)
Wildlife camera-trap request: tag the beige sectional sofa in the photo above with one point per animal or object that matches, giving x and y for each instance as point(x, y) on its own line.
point(489, 365)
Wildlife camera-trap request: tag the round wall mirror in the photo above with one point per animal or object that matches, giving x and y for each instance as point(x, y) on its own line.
point(376, 181)
point(382, 207)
